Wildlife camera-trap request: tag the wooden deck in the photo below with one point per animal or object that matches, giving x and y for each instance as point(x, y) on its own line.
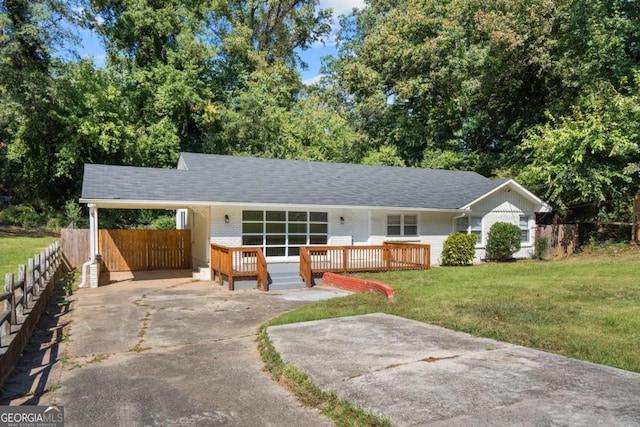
point(352, 259)
point(232, 263)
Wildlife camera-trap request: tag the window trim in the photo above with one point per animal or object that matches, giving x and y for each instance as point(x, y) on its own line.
point(403, 225)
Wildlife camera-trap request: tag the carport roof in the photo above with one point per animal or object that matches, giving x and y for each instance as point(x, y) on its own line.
point(219, 179)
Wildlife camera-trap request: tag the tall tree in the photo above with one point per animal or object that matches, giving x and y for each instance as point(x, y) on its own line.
point(31, 33)
point(455, 76)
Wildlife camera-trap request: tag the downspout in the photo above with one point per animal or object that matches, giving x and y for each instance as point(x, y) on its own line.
point(93, 243)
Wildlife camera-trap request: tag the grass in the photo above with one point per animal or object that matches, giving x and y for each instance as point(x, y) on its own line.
point(18, 245)
point(585, 307)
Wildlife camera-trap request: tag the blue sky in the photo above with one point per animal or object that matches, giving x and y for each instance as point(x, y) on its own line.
point(90, 43)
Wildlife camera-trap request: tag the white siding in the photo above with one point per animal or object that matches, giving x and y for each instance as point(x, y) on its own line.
point(354, 231)
point(198, 223)
point(227, 234)
point(505, 206)
point(433, 229)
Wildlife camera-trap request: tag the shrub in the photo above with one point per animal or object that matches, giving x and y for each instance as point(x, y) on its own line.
point(541, 247)
point(459, 249)
point(503, 241)
point(22, 215)
point(164, 222)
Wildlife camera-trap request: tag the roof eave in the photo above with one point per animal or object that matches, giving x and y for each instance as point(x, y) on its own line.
point(166, 204)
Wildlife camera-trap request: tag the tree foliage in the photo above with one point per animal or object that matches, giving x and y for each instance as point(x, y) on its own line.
point(546, 90)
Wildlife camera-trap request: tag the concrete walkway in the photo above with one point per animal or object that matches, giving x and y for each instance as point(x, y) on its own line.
point(167, 351)
point(415, 374)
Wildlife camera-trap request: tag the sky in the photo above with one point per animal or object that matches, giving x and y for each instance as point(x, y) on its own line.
point(90, 43)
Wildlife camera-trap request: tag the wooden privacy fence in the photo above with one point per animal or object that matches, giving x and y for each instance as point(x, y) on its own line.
point(135, 250)
point(239, 262)
point(351, 259)
point(23, 301)
point(131, 250)
point(563, 239)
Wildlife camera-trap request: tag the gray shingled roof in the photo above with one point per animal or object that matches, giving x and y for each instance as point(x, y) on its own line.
point(228, 179)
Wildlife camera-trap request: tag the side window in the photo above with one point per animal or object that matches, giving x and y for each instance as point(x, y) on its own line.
point(402, 225)
point(410, 225)
point(394, 225)
point(524, 229)
point(470, 225)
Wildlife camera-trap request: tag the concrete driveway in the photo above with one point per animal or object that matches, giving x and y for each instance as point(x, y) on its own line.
point(167, 351)
point(160, 349)
point(415, 374)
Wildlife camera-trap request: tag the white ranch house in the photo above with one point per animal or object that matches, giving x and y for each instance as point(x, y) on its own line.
point(281, 205)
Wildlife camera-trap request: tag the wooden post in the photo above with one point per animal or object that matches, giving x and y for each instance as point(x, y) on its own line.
point(6, 304)
point(42, 281)
point(28, 284)
point(37, 272)
point(635, 233)
point(344, 260)
point(22, 283)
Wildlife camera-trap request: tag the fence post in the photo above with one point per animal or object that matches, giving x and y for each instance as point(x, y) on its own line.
point(28, 283)
point(6, 304)
point(21, 279)
point(42, 282)
point(47, 268)
point(36, 276)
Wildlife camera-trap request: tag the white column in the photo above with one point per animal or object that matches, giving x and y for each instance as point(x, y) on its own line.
point(93, 231)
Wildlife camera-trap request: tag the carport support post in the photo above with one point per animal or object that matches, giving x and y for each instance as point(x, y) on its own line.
point(94, 268)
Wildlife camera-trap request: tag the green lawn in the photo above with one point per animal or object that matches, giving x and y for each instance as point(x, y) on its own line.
point(586, 307)
point(16, 246)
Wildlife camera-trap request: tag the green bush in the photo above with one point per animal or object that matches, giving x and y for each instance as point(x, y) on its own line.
point(164, 222)
point(21, 215)
point(503, 241)
point(459, 249)
point(541, 247)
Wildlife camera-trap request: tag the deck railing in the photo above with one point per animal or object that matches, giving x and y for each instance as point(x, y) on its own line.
point(239, 262)
point(351, 259)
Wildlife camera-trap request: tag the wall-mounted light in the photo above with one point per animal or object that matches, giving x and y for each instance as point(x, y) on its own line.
point(226, 219)
point(341, 220)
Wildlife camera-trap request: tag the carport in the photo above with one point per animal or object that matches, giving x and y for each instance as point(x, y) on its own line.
point(131, 249)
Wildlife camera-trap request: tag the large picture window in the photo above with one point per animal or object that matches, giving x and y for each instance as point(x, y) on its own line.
point(402, 225)
point(281, 233)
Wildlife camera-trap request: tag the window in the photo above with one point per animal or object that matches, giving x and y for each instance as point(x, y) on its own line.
point(281, 233)
point(524, 229)
point(402, 225)
point(470, 225)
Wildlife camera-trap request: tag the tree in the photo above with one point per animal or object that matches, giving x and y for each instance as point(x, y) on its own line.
point(456, 77)
point(586, 162)
point(31, 34)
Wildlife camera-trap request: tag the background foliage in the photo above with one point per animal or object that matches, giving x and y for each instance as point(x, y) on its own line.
point(545, 91)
